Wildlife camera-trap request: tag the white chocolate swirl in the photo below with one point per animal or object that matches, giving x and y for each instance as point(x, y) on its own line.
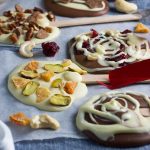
point(111, 49)
point(130, 120)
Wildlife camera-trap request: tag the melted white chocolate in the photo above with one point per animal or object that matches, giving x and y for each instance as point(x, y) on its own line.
point(131, 121)
point(45, 105)
point(108, 47)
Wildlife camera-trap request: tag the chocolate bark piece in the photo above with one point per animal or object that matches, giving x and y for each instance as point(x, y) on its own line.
point(19, 8)
point(63, 10)
point(29, 34)
point(126, 134)
point(42, 34)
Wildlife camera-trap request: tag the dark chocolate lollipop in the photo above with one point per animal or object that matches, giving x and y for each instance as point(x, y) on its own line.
point(78, 8)
point(118, 119)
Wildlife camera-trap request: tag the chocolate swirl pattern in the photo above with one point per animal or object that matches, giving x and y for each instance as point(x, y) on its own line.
point(115, 113)
point(108, 49)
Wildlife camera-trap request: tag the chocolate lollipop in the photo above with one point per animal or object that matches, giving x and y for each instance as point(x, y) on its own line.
point(119, 119)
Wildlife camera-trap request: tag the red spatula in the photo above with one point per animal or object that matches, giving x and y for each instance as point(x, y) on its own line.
point(138, 72)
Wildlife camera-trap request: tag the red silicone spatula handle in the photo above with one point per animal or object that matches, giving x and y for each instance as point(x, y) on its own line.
point(130, 74)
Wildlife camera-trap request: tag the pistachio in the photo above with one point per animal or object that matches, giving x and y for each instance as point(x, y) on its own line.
point(56, 83)
point(46, 76)
point(44, 121)
point(42, 93)
point(30, 88)
point(28, 74)
point(19, 82)
point(57, 68)
point(66, 63)
point(60, 100)
point(75, 68)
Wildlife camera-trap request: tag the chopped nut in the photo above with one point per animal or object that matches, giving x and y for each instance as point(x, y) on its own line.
point(28, 74)
point(19, 8)
point(7, 14)
point(20, 82)
point(48, 29)
point(20, 119)
point(13, 37)
point(11, 26)
point(42, 34)
point(57, 68)
point(70, 87)
point(38, 9)
point(42, 94)
point(5, 30)
point(51, 16)
point(30, 11)
point(56, 83)
point(29, 34)
point(60, 100)
point(33, 65)
point(30, 88)
point(44, 121)
point(18, 31)
point(46, 76)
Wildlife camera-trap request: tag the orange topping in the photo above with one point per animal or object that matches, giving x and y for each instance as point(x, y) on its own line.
point(32, 66)
point(20, 119)
point(141, 28)
point(70, 87)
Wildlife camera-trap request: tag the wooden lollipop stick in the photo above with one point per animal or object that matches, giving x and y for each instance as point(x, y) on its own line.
point(93, 78)
point(96, 20)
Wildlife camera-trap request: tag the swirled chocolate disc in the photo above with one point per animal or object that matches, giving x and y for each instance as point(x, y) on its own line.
point(100, 52)
point(78, 8)
point(120, 119)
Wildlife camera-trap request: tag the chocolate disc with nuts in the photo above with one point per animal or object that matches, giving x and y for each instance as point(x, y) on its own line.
point(22, 25)
point(77, 8)
point(100, 52)
point(117, 119)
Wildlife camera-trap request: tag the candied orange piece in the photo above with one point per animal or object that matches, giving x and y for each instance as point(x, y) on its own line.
point(19, 82)
point(42, 93)
point(46, 76)
point(141, 28)
point(20, 119)
point(70, 87)
point(32, 66)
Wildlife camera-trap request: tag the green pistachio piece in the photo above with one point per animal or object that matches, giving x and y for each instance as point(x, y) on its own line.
point(60, 100)
point(57, 68)
point(56, 83)
point(28, 74)
point(30, 88)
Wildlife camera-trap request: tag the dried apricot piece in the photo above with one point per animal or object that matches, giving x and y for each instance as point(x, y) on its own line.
point(46, 76)
point(141, 28)
point(33, 65)
point(20, 82)
point(20, 119)
point(70, 87)
point(42, 93)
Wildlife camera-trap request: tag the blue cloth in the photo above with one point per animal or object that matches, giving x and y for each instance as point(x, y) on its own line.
point(67, 143)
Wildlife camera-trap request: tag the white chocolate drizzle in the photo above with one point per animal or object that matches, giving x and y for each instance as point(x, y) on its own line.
point(111, 49)
point(131, 120)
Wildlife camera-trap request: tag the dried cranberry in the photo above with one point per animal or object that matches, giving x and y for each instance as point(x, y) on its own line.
point(94, 33)
point(122, 47)
point(126, 31)
point(118, 58)
point(50, 48)
point(86, 44)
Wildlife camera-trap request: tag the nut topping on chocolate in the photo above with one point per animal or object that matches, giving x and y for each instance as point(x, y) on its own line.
point(19, 8)
point(93, 3)
point(42, 34)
